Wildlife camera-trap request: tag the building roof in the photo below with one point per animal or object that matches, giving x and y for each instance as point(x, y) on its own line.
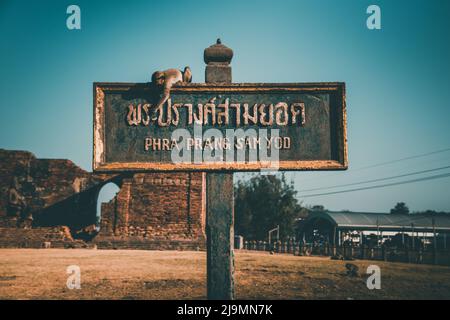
point(383, 221)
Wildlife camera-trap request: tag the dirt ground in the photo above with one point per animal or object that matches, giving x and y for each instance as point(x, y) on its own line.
point(138, 274)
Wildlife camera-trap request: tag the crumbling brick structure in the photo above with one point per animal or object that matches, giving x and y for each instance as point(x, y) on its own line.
point(41, 184)
point(151, 211)
point(164, 210)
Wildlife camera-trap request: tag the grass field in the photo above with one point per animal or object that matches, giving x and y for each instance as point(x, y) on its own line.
point(128, 274)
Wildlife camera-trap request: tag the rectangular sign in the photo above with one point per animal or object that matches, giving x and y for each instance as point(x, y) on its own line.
point(220, 127)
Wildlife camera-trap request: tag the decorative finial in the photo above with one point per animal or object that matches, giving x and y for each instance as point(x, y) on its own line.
point(218, 54)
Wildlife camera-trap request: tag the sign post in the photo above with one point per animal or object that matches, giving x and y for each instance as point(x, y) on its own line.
point(219, 198)
point(219, 127)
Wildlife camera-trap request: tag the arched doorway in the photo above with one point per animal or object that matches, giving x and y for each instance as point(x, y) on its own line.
point(105, 195)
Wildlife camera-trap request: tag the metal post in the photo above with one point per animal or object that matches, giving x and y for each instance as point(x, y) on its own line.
point(403, 236)
point(434, 242)
point(361, 244)
point(378, 233)
point(219, 200)
point(445, 242)
point(273, 230)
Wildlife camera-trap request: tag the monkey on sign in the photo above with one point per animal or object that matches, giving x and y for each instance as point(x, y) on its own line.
point(166, 79)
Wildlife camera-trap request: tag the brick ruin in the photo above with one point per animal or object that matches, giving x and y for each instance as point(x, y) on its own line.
point(157, 211)
point(52, 203)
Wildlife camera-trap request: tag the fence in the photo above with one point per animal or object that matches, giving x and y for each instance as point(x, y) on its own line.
point(420, 256)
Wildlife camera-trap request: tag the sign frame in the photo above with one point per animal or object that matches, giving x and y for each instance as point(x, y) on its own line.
point(340, 127)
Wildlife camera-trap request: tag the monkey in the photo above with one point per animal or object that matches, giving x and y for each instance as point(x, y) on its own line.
point(166, 79)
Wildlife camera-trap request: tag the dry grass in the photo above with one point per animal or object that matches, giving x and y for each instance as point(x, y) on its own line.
point(127, 274)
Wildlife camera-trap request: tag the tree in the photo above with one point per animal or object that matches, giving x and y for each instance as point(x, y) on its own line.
point(262, 203)
point(400, 208)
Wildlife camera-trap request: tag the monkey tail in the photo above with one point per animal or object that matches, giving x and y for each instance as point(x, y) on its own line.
point(187, 75)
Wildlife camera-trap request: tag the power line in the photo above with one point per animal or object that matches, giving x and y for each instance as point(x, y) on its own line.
point(439, 176)
point(392, 161)
point(376, 180)
point(403, 159)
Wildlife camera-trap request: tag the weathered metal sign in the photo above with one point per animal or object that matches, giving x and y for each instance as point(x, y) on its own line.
point(220, 127)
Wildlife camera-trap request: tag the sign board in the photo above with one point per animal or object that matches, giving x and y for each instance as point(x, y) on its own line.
point(220, 127)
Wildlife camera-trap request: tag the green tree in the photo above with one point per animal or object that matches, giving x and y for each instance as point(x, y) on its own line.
point(262, 203)
point(400, 208)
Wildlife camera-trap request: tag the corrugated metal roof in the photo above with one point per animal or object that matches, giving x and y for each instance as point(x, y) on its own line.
point(384, 221)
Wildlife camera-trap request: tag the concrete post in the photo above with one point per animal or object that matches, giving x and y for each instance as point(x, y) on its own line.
point(219, 198)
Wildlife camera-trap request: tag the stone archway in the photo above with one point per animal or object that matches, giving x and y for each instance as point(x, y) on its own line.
point(106, 195)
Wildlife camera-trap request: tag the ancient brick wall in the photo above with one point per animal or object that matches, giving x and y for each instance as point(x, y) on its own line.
point(157, 207)
point(42, 183)
point(155, 210)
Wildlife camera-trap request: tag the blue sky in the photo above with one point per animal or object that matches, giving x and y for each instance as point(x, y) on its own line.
point(398, 78)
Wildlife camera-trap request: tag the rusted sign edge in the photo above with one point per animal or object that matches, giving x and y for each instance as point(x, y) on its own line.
point(99, 164)
point(165, 166)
